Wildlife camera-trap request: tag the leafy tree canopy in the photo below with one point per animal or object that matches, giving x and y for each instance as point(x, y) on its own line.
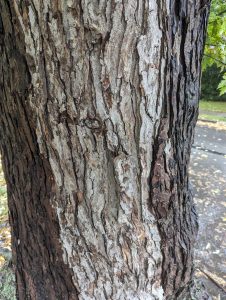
point(215, 49)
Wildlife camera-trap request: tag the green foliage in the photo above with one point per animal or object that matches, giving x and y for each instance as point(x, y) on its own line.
point(211, 78)
point(222, 85)
point(215, 49)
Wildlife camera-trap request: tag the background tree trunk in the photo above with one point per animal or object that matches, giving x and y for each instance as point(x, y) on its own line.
point(98, 104)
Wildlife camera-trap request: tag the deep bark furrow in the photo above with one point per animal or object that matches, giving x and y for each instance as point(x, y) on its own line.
point(98, 106)
point(170, 197)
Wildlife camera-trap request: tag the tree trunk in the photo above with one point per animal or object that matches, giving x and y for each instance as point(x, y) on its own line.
point(98, 103)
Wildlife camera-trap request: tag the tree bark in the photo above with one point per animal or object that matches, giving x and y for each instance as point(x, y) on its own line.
point(98, 103)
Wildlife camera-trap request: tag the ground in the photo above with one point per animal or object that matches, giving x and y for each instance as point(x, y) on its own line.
point(7, 286)
point(212, 110)
point(208, 177)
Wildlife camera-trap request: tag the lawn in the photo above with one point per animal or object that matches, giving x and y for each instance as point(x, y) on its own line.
point(215, 106)
point(212, 111)
point(211, 118)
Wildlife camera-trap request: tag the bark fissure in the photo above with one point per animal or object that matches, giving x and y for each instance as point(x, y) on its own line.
point(170, 196)
point(98, 105)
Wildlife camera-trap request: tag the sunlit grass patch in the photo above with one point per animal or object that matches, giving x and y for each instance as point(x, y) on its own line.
point(217, 106)
point(212, 118)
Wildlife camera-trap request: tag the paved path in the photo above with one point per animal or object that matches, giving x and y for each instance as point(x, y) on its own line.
point(208, 177)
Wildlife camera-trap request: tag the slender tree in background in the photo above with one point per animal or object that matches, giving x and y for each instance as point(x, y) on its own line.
point(98, 104)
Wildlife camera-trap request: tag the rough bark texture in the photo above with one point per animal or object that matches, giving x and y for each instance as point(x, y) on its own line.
point(98, 104)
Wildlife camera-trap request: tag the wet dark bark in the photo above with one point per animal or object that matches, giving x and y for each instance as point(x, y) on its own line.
point(96, 124)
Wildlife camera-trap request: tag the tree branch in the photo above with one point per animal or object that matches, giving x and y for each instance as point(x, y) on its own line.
point(218, 15)
point(218, 60)
point(214, 45)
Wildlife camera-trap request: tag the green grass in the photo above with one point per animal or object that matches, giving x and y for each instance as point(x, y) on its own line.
point(212, 118)
point(216, 106)
point(212, 110)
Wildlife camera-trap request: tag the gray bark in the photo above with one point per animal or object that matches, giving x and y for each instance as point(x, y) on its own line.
point(98, 102)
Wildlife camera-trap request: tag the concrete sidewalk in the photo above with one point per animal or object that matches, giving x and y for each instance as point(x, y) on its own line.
point(208, 177)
